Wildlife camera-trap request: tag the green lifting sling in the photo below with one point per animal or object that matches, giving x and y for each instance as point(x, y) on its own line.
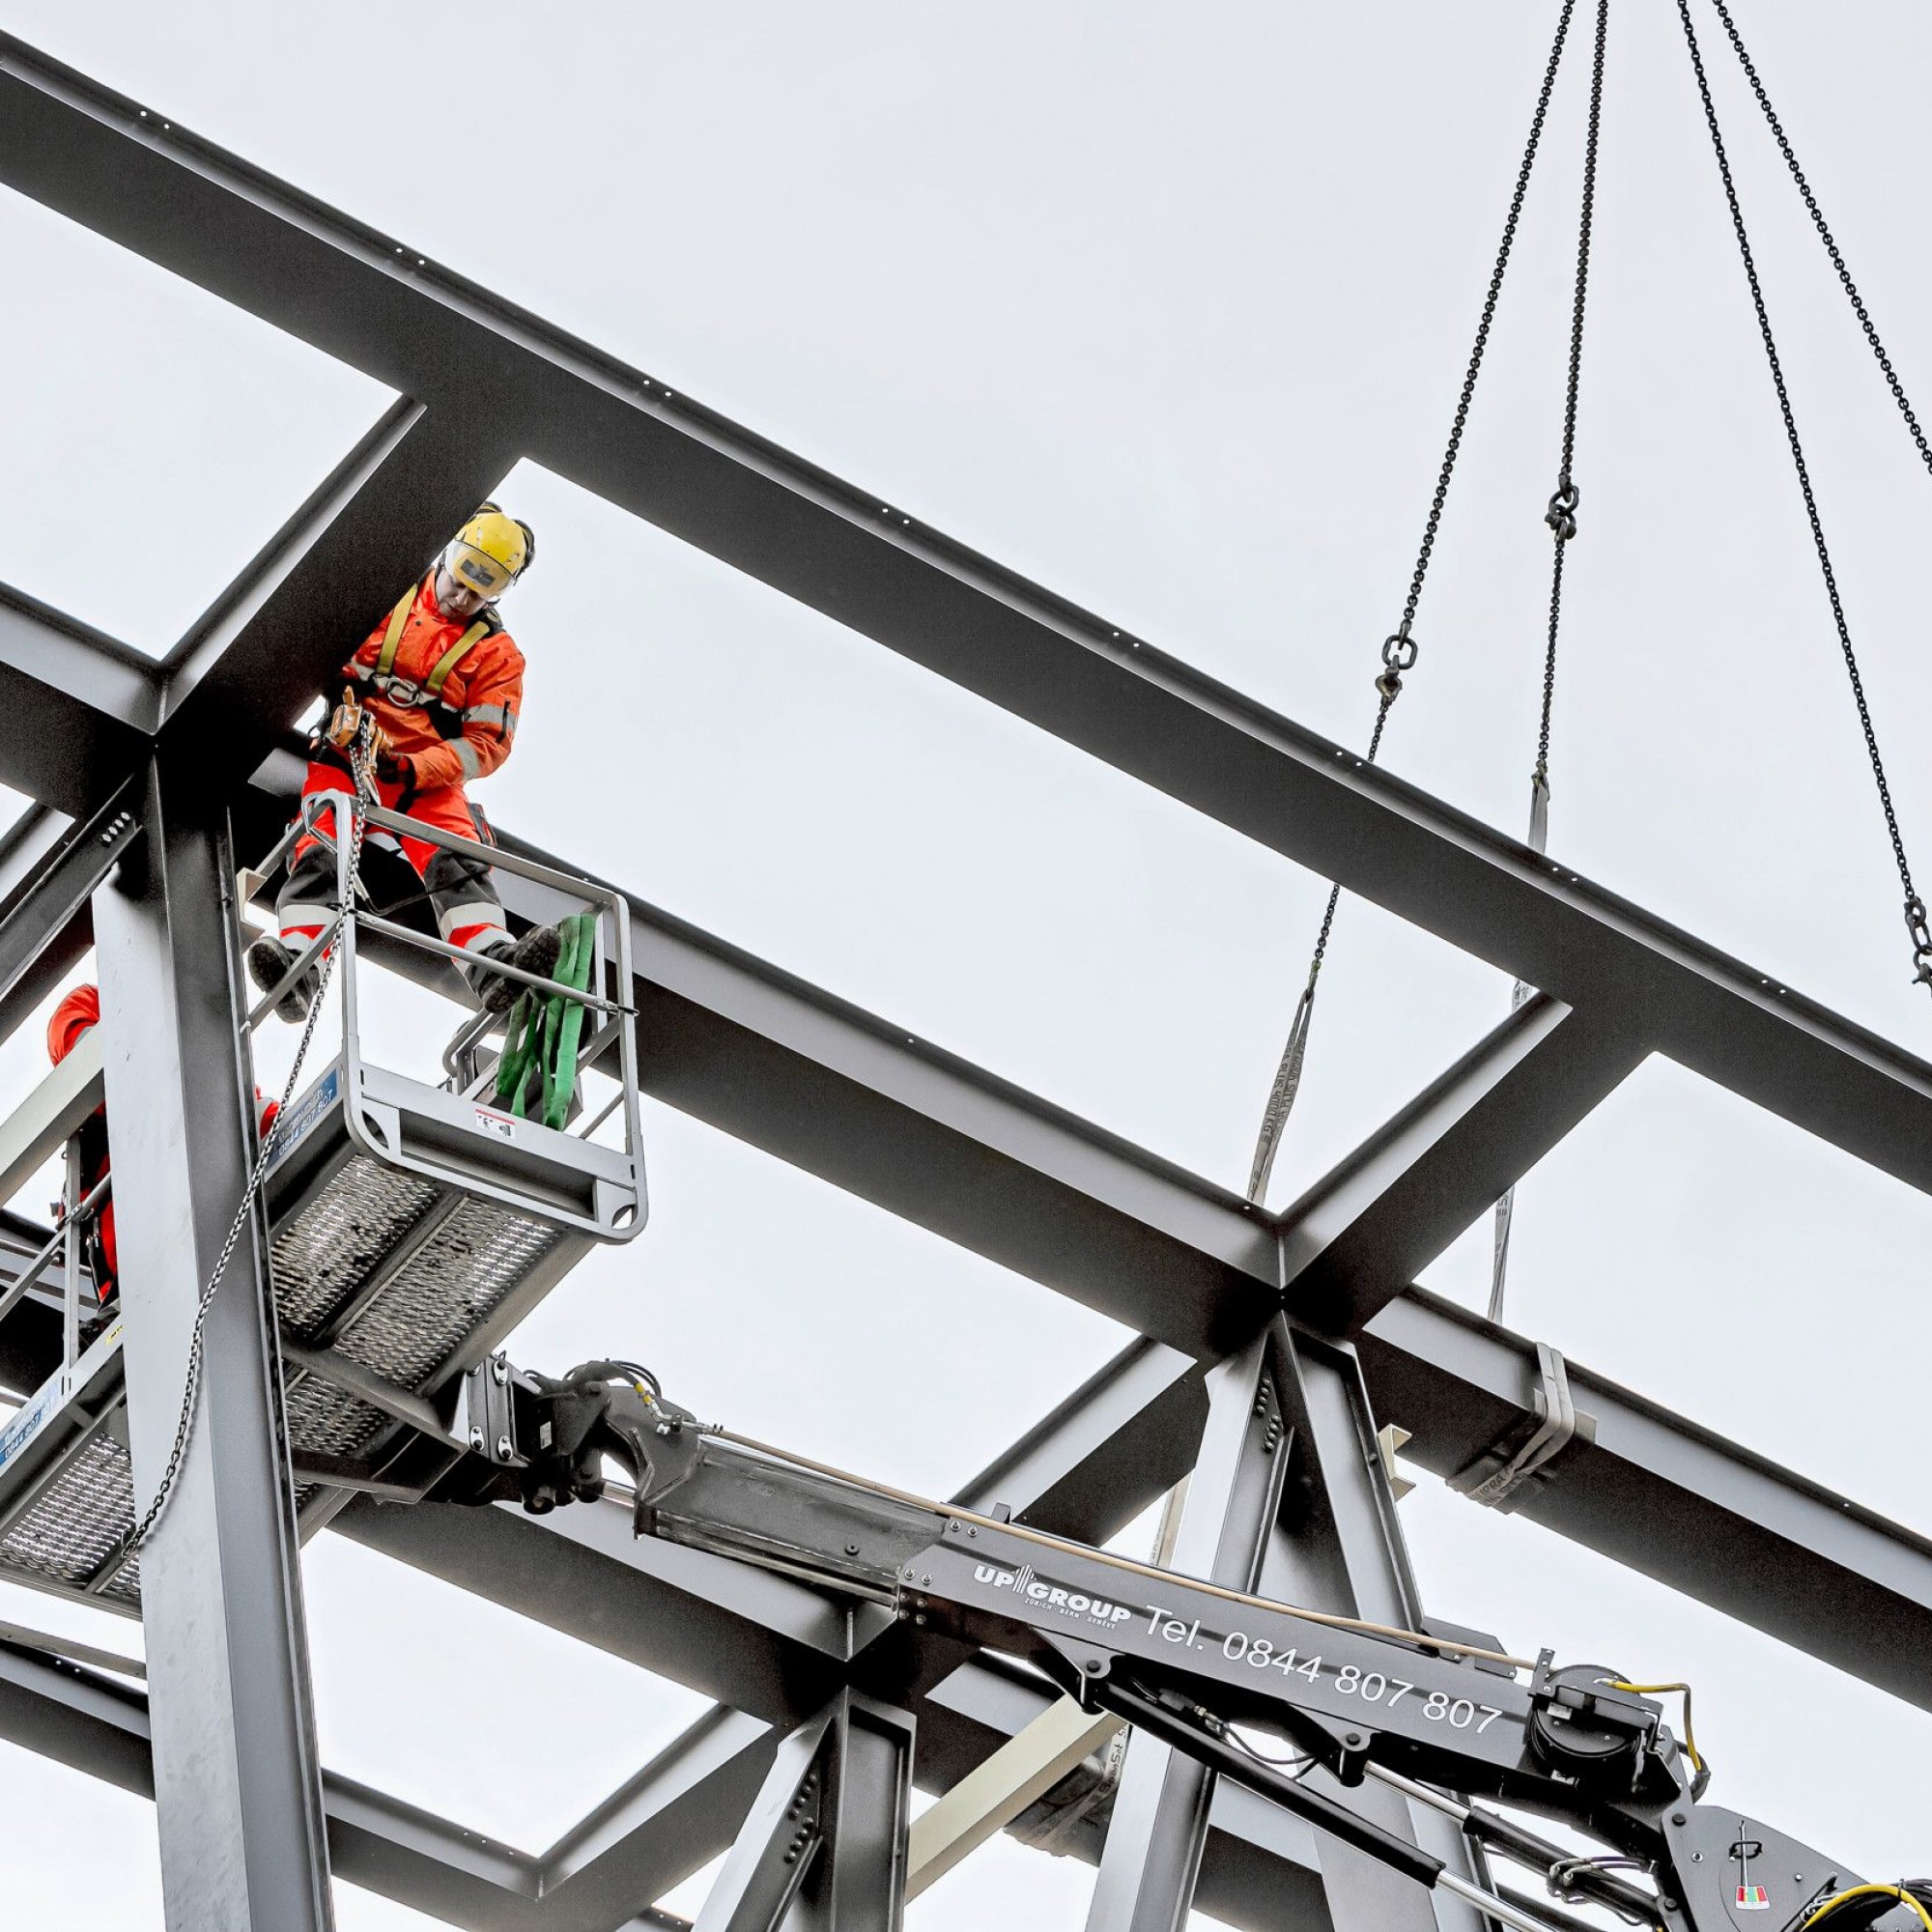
point(540, 1044)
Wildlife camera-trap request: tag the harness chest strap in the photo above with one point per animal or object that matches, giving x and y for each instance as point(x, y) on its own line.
point(383, 676)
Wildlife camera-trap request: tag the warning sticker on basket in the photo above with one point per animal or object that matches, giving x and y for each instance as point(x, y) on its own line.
point(503, 1125)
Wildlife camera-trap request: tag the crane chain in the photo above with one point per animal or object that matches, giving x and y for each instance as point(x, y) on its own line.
point(1915, 921)
point(1400, 648)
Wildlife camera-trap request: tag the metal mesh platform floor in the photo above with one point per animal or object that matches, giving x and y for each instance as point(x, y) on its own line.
point(400, 1276)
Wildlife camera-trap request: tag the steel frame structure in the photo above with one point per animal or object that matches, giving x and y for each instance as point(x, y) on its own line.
point(148, 776)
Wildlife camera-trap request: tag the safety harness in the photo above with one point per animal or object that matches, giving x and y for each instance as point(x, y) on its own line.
point(427, 696)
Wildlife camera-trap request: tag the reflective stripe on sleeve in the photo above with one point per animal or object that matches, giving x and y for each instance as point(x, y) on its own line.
point(466, 756)
point(502, 716)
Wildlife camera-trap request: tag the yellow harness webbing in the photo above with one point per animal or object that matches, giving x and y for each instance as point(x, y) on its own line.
point(392, 637)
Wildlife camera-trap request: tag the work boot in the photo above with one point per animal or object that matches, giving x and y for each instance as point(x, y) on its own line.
point(268, 959)
point(536, 952)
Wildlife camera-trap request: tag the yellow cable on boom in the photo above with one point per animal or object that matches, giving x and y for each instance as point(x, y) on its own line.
point(1690, 1750)
point(1895, 1892)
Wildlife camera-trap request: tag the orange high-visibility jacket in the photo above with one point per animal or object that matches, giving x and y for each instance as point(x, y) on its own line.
point(447, 692)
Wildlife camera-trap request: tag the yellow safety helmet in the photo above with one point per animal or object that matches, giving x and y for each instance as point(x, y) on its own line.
point(490, 552)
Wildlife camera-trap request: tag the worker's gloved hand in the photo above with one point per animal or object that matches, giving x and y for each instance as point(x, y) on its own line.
point(392, 767)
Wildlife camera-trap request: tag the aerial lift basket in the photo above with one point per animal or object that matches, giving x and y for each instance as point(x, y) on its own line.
point(411, 1226)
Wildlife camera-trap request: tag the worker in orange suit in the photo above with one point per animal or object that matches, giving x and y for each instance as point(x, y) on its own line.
point(441, 682)
point(75, 1017)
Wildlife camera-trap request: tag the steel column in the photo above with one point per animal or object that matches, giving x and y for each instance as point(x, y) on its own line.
point(236, 1776)
point(1159, 1829)
point(856, 1884)
point(1338, 1546)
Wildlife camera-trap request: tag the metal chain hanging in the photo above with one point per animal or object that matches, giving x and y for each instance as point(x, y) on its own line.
point(361, 763)
point(1561, 517)
point(1915, 910)
point(1916, 922)
point(1401, 649)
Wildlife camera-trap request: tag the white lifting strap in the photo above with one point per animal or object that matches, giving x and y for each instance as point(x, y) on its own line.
point(1495, 1476)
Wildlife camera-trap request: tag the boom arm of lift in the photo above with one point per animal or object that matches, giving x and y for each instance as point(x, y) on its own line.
point(1198, 1666)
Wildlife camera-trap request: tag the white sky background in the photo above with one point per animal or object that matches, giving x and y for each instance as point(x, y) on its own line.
point(1165, 307)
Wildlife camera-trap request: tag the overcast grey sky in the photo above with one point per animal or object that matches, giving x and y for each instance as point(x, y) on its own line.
point(1165, 307)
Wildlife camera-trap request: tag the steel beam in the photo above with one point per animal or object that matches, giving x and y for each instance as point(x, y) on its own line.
point(36, 1130)
point(783, 1836)
point(136, 177)
point(94, 1725)
point(776, 1061)
point(1159, 1829)
point(80, 708)
point(48, 870)
point(1368, 1226)
point(756, 1642)
point(1676, 1502)
point(1124, 1437)
point(237, 1780)
point(664, 1824)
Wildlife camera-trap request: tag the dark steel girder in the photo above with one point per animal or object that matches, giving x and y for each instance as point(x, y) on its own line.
point(79, 707)
point(782, 1064)
point(1118, 1443)
point(274, 637)
point(365, 297)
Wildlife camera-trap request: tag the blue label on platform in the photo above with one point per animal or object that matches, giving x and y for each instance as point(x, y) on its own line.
point(25, 1424)
point(293, 1126)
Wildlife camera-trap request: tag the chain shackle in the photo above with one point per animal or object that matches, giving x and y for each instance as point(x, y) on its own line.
point(1561, 515)
point(1399, 651)
point(1917, 926)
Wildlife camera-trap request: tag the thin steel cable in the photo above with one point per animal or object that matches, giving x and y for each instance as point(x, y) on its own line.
point(1915, 910)
point(365, 789)
point(1561, 517)
point(1399, 649)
